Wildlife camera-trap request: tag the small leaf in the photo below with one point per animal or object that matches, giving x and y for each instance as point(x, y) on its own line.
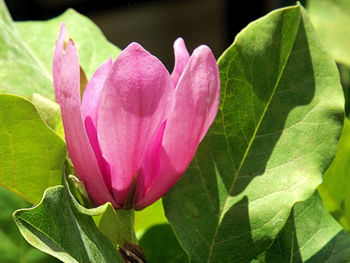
point(276, 132)
point(32, 155)
point(57, 228)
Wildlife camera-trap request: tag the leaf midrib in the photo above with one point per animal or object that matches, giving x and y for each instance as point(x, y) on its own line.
point(223, 209)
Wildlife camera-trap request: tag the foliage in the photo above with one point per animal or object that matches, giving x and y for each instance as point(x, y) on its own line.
point(276, 131)
point(249, 195)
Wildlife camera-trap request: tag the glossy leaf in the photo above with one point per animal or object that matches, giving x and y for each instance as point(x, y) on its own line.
point(56, 227)
point(331, 19)
point(276, 132)
point(335, 188)
point(13, 248)
point(26, 50)
point(31, 154)
point(311, 235)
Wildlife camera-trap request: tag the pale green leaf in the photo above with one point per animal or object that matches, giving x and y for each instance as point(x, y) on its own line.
point(332, 19)
point(49, 111)
point(93, 47)
point(26, 50)
point(31, 154)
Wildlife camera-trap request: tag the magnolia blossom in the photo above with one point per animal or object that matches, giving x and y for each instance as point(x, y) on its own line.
point(136, 128)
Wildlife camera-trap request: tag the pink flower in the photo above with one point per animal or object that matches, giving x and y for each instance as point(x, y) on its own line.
point(137, 127)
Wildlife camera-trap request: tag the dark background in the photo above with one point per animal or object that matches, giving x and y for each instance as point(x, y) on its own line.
point(156, 24)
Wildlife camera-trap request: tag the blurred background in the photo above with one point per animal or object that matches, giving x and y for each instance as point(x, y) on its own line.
point(155, 23)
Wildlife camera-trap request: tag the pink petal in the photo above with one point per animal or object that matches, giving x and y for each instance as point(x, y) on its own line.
point(89, 107)
point(181, 59)
point(150, 163)
point(196, 105)
point(67, 88)
point(93, 90)
point(136, 98)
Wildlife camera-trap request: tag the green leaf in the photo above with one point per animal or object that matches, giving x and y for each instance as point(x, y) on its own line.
point(117, 225)
point(21, 72)
point(331, 19)
point(311, 235)
point(335, 188)
point(160, 245)
point(345, 82)
point(276, 132)
point(49, 111)
point(32, 155)
point(150, 216)
point(26, 50)
point(57, 228)
point(93, 47)
point(13, 248)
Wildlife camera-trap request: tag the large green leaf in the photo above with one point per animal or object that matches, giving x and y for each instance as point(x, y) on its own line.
point(335, 188)
point(275, 133)
point(331, 19)
point(56, 227)
point(14, 249)
point(311, 235)
point(31, 154)
point(26, 50)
